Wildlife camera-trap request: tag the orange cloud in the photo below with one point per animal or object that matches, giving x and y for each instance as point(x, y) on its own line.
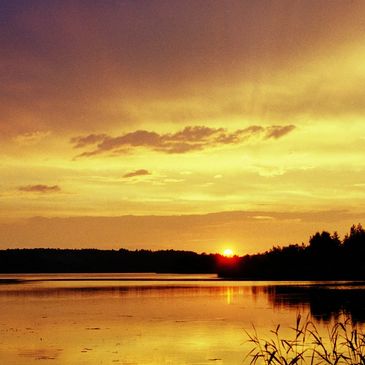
point(278, 131)
point(189, 139)
point(39, 188)
point(90, 139)
point(141, 172)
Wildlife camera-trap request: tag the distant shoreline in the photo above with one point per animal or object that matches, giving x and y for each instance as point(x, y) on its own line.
point(325, 258)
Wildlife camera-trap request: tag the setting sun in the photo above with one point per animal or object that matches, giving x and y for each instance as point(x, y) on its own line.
point(228, 252)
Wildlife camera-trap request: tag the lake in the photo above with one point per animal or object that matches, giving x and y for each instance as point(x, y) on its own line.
point(153, 319)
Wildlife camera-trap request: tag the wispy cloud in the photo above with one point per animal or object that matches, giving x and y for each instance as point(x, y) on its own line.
point(31, 137)
point(39, 188)
point(191, 138)
point(278, 131)
point(80, 142)
point(141, 172)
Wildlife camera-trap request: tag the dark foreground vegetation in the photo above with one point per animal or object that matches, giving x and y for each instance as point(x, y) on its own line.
point(327, 257)
point(344, 344)
point(90, 260)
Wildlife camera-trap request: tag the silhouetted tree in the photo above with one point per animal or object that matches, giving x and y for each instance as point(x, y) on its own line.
point(355, 241)
point(324, 243)
point(325, 258)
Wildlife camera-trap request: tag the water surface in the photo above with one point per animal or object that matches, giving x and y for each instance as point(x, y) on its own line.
point(154, 319)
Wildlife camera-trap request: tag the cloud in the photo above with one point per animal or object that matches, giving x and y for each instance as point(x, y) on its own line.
point(31, 138)
point(39, 188)
point(90, 139)
point(191, 138)
point(277, 131)
point(141, 172)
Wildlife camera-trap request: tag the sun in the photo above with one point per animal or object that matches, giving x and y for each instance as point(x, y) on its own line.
point(228, 252)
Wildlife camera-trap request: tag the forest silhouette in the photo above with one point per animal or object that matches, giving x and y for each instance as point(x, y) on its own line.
point(326, 257)
point(46, 260)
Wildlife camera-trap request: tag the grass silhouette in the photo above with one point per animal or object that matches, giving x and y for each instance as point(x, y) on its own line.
point(343, 345)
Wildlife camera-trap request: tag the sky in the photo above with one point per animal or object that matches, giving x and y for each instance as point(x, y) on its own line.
point(194, 125)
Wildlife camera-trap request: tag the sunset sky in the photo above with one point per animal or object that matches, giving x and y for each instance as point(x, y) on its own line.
point(180, 124)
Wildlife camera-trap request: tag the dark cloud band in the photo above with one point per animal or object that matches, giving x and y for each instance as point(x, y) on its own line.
point(141, 172)
point(189, 139)
point(39, 188)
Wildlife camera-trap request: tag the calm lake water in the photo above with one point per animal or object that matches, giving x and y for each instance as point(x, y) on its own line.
point(155, 319)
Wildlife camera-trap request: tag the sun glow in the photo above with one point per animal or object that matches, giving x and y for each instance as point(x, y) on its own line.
point(228, 252)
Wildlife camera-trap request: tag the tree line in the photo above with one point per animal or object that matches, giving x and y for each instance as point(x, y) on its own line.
point(326, 257)
point(47, 260)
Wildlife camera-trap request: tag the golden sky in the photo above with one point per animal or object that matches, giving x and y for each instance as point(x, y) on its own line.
point(173, 110)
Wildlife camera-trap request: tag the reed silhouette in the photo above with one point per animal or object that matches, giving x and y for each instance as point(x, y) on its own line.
point(344, 344)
